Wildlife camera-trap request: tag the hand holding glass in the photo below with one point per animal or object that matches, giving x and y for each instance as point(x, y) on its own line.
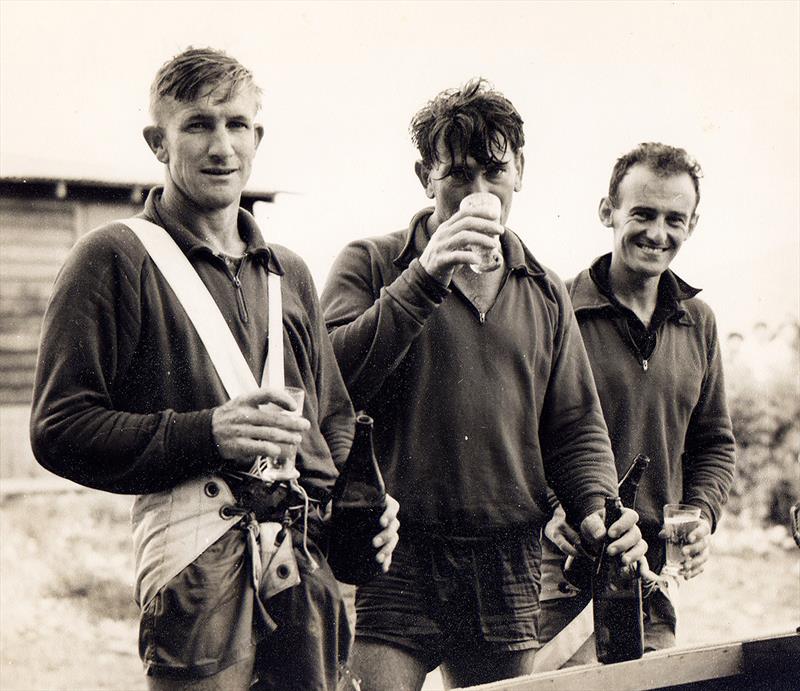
point(679, 522)
point(489, 206)
point(282, 468)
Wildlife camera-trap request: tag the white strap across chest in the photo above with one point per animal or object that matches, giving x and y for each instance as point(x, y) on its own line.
point(222, 348)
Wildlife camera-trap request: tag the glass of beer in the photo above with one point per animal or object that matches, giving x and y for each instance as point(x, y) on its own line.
point(282, 467)
point(486, 205)
point(679, 521)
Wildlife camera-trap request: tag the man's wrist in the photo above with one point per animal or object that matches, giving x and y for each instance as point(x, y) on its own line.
point(432, 286)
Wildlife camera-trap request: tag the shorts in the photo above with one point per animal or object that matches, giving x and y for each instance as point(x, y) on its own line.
point(446, 594)
point(207, 619)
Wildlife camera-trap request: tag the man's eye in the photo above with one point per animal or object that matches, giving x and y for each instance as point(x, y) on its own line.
point(460, 175)
point(238, 124)
point(495, 173)
point(676, 222)
point(196, 126)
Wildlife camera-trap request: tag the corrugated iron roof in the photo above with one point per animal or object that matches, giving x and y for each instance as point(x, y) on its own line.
point(102, 190)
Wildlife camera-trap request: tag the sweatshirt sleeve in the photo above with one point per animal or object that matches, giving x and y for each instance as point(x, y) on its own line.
point(578, 460)
point(710, 450)
point(335, 415)
point(372, 326)
point(79, 428)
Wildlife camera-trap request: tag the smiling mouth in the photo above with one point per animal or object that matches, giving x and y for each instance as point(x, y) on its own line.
point(650, 249)
point(219, 172)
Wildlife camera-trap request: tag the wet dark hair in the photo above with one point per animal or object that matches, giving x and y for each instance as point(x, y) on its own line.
point(662, 159)
point(474, 120)
point(195, 73)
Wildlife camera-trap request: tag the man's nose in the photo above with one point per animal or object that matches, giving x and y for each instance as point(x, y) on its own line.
point(479, 184)
point(220, 144)
point(657, 230)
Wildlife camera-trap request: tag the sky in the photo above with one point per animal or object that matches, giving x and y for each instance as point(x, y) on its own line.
point(342, 81)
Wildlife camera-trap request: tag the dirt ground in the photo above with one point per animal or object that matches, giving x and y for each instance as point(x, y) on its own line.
point(67, 620)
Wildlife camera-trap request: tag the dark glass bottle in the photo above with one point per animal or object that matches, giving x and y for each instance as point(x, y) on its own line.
point(629, 484)
point(578, 570)
point(617, 595)
point(358, 501)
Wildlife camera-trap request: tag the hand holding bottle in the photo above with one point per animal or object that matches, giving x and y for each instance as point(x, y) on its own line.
point(625, 536)
point(578, 566)
point(363, 516)
point(386, 540)
point(617, 596)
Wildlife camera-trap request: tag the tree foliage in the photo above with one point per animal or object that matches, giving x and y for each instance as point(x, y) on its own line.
point(763, 383)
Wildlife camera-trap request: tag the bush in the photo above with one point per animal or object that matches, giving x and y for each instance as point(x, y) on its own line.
point(763, 383)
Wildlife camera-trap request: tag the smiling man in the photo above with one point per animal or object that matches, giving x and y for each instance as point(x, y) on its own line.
point(656, 360)
point(482, 395)
point(231, 577)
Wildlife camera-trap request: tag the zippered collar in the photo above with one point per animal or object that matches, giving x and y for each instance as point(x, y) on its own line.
point(518, 258)
point(191, 244)
point(587, 296)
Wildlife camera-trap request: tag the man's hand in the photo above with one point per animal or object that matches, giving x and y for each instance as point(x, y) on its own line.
point(561, 534)
point(696, 553)
point(242, 430)
point(625, 535)
point(386, 540)
point(451, 243)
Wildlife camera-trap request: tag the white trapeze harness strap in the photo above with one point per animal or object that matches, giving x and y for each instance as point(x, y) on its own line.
point(204, 313)
point(172, 528)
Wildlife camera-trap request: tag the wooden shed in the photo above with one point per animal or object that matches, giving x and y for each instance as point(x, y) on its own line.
point(40, 220)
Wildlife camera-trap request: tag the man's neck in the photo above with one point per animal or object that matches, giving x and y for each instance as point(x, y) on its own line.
point(636, 292)
point(218, 228)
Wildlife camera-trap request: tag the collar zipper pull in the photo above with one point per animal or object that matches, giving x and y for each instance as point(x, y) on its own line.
point(482, 317)
point(644, 364)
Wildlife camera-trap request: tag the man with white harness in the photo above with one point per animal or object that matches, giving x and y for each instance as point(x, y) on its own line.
point(155, 340)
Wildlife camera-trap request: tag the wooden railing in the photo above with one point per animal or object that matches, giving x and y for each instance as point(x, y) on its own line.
point(771, 663)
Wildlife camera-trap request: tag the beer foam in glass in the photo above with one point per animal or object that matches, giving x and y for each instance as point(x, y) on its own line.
point(485, 205)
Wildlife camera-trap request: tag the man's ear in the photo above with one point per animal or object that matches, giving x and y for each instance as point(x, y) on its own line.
point(519, 162)
point(424, 174)
point(606, 212)
point(259, 132)
point(154, 136)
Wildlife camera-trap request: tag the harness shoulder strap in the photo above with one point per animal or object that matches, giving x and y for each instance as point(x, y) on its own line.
point(200, 306)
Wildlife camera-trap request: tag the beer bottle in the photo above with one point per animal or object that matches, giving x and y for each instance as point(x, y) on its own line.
point(629, 484)
point(578, 570)
point(617, 595)
point(358, 501)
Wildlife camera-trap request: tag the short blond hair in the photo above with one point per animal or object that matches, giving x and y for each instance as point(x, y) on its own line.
point(197, 72)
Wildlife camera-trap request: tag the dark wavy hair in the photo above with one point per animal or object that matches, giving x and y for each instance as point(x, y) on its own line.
point(474, 120)
point(662, 159)
point(197, 72)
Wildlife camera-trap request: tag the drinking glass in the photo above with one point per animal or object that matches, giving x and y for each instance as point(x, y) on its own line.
point(490, 206)
point(282, 467)
point(679, 521)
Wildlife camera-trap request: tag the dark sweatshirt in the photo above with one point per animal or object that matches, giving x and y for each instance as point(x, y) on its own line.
point(124, 388)
point(474, 414)
point(674, 410)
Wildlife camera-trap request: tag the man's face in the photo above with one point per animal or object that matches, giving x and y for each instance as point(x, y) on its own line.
point(468, 176)
point(654, 216)
point(208, 146)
